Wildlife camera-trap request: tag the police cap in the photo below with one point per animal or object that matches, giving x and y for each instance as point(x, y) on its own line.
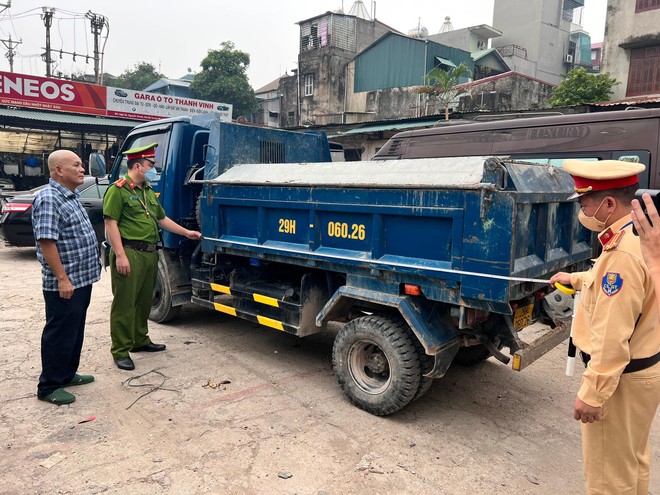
point(148, 151)
point(603, 175)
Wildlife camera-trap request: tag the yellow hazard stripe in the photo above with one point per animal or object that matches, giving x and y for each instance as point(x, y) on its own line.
point(269, 322)
point(270, 301)
point(221, 288)
point(224, 309)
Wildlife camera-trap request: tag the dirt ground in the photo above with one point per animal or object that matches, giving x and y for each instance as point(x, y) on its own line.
point(279, 426)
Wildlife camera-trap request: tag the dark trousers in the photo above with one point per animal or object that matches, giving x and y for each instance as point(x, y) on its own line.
point(131, 303)
point(62, 339)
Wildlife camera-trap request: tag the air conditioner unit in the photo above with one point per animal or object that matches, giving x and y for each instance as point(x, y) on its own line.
point(568, 58)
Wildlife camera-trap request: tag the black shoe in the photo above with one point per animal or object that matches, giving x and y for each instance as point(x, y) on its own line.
point(125, 363)
point(150, 347)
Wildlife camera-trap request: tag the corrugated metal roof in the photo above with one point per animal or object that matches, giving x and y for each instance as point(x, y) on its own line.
point(633, 100)
point(161, 83)
point(67, 118)
point(271, 86)
point(393, 126)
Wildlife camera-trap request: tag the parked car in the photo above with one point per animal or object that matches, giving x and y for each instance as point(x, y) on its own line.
point(6, 185)
point(16, 218)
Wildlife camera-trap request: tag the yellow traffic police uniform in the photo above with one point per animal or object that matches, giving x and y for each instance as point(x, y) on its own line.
point(617, 321)
point(125, 202)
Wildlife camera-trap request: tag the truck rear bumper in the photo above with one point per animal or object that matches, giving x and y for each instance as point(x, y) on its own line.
point(539, 340)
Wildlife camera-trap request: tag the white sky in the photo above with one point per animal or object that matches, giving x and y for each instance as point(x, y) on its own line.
point(176, 35)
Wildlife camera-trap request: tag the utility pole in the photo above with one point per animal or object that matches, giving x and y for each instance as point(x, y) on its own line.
point(96, 22)
point(48, 22)
point(9, 45)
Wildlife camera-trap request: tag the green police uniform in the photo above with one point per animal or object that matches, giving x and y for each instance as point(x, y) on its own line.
point(136, 210)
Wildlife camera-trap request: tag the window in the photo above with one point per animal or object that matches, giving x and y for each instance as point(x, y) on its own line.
point(643, 5)
point(95, 191)
point(160, 137)
point(309, 84)
point(644, 71)
point(557, 159)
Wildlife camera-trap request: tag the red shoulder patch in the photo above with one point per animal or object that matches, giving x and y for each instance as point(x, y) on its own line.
point(120, 183)
point(614, 241)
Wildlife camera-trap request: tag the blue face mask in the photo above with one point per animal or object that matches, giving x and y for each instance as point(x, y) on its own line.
point(151, 174)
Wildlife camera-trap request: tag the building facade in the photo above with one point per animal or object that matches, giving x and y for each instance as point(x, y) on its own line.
point(269, 99)
point(631, 50)
point(353, 69)
point(315, 93)
point(541, 38)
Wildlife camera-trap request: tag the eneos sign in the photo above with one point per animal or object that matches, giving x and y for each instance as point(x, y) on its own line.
point(51, 94)
point(43, 93)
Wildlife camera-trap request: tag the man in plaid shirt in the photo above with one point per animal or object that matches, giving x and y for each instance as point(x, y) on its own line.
point(68, 251)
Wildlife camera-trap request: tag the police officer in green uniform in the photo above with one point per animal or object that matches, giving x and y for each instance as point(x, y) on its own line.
point(133, 216)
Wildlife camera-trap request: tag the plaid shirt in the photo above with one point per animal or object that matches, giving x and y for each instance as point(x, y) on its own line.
point(58, 214)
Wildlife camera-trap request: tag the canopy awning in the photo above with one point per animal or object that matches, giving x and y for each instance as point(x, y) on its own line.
point(69, 121)
point(445, 61)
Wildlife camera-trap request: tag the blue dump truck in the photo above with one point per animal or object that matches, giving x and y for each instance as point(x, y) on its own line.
point(426, 262)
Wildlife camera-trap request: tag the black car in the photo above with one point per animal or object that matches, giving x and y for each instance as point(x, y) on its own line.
point(16, 219)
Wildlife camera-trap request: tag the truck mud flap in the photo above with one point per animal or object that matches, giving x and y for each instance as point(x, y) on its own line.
point(540, 344)
point(435, 336)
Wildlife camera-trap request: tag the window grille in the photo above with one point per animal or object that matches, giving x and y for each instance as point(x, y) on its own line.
point(644, 71)
point(271, 152)
point(643, 5)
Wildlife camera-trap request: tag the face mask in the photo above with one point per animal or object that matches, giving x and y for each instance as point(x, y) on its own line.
point(592, 223)
point(151, 174)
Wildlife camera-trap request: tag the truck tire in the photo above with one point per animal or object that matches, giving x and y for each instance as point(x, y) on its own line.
point(162, 309)
point(426, 364)
point(472, 355)
point(377, 364)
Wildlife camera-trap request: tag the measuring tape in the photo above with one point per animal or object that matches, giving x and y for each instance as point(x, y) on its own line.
point(572, 350)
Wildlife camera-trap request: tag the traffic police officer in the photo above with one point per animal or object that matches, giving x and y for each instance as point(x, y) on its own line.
point(616, 329)
point(133, 216)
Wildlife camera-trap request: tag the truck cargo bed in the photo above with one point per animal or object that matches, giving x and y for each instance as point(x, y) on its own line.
point(466, 230)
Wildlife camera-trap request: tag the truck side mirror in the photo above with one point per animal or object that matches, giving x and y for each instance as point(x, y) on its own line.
point(97, 165)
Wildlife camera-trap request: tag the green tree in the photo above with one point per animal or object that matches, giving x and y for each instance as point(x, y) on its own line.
point(442, 84)
point(224, 79)
point(138, 77)
point(580, 87)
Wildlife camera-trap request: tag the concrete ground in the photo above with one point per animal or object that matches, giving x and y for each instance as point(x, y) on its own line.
point(235, 408)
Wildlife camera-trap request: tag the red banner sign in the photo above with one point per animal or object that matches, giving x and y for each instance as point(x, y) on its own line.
point(22, 90)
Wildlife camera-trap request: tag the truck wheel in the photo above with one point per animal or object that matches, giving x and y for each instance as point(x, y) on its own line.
point(161, 304)
point(471, 356)
point(426, 364)
point(376, 363)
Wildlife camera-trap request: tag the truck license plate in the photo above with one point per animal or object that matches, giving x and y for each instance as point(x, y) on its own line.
point(522, 317)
